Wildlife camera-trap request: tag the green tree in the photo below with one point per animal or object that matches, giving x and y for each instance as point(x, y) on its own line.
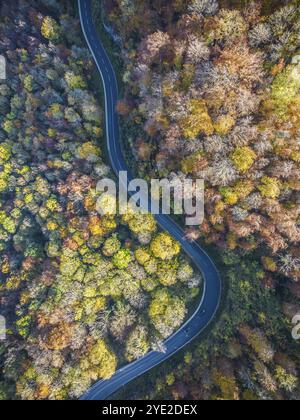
point(111, 246)
point(74, 81)
point(122, 259)
point(286, 381)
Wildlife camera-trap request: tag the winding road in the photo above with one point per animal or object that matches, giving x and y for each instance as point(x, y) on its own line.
point(209, 304)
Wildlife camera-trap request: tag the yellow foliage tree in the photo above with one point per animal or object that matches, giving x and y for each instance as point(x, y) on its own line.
point(198, 121)
point(224, 124)
point(269, 187)
point(164, 247)
point(243, 158)
point(89, 151)
point(50, 29)
point(100, 362)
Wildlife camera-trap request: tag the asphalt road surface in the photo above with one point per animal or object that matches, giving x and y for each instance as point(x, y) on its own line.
point(209, 304)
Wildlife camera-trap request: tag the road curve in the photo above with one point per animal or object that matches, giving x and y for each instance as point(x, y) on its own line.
point(209, 304)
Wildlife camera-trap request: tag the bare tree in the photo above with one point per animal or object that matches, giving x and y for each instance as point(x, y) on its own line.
point(204, 7)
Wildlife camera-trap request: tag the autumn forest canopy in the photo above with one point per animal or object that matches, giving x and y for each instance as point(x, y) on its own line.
point(209, 89)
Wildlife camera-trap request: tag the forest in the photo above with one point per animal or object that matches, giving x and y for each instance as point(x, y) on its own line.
point(81, 294)
point(209, 89)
